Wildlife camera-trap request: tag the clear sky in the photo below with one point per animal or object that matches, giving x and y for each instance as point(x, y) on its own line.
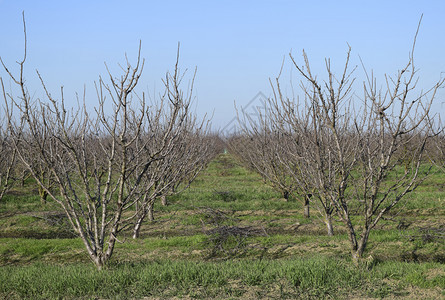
point(235, 45)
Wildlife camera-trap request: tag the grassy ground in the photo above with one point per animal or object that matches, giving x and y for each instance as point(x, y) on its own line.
point(278, 254)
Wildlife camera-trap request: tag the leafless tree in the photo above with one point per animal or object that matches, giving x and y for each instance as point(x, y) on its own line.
point(194, 150)
point(351, 158)
point(395, 126)
point(239, 145)
point(259, 146)
point(41, 170)
point(189, 152)
point(436, 149)
point(318, 150)
point(7, 155)
point(440, 144)
point(190, 156)
point(98, 161)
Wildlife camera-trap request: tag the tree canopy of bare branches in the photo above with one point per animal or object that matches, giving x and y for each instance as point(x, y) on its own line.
point(7, 155)
point(190, 151)
point(258, 147)
point(351, 157)
point(101, 163)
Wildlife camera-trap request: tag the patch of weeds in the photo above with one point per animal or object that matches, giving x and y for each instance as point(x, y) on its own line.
point(425, 275)
point(327, 245)
point(382, 290)
point(226, 196)
point(194, 219)
point(386, 236)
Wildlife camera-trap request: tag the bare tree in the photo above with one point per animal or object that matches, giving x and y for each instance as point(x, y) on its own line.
point(319, 152)
point(184, 157)
point(96, 161)
point(259, 146)
point(396, 133)
point(7, 154)
point(440, 144)
point(349, 158)
point(436, 149)
point(192, 153)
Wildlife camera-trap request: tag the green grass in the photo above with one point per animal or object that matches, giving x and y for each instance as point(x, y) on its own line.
point(12, 203)
point(318, 277)
point(227, 185)
point(174, 258)
point(23, 250)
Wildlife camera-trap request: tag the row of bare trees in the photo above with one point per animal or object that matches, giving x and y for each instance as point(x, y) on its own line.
point(8, 156)
point(105, 168)
point(352, 162)
point(354, 157)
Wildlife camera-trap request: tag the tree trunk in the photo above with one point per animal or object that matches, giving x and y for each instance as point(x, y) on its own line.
point(164, 200)
point(137, 228)
point(2, 193)
point(22, 180)
point(150, 211)
point(138, 225)
point(94, 251)
point(357, 255)
point(43, 195)
point(99, 262)
point(352, 240)
point(329, 227)
point(286, 195)
point(306, 206)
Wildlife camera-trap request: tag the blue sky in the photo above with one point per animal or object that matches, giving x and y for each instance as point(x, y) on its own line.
point(235, 45)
